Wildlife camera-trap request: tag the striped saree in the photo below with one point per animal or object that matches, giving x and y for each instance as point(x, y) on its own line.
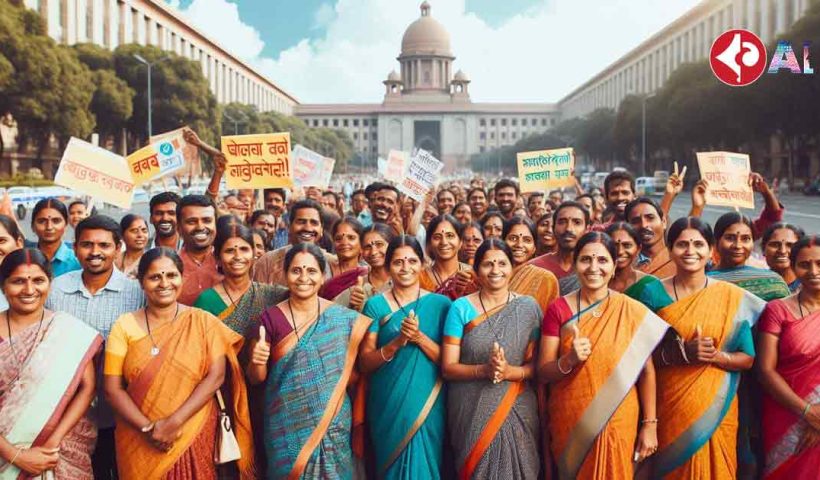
point(697, 404)
point(594, 411)
point(34, 398)
point(448, 287)
point(762, 282)
point(536, 282)
point(307, 409)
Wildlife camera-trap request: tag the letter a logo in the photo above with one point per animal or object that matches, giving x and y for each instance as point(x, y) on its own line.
point(738, 57)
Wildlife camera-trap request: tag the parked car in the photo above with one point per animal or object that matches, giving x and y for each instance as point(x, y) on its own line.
point(645, 186)
point(141, 196)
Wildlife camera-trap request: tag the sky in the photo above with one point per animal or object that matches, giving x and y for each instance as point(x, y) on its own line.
point(339, 51)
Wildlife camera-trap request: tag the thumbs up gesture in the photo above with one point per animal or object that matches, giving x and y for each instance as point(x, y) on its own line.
point(357, 295)
point(701, 348)
point(410, 327)
point(463, 279)
point(581, 347)
point(261, 351)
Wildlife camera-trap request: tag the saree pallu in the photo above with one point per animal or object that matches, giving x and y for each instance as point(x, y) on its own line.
point(697, 404)
point(798, 362)
point(160, 384)
point(494, 428)
point(764, 283)
point(536, 282)
point(34, 399)
point(448, 288)
point(405, 403)
point(307, 409)
point(594, 410)
point(341, 282)
point(649, 291)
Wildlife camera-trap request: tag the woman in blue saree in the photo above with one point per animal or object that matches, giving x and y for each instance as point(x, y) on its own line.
point(401, 352)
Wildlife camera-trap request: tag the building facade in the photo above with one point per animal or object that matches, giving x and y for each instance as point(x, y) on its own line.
point(689, 38)
point(110, 23)
point(428, 105)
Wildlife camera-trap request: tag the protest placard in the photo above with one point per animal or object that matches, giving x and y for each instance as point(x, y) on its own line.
point(96, 172)
point(394, 166)
point(258, 161)
point(421, 175)
point(158, 159)
point(381, 166)
point(545, 169)
point(190, 153)
point(311, 169)
point(727, 175)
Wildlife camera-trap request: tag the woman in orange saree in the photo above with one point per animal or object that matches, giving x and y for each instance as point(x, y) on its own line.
point(163, 366)
point(596, 352)
point(519, 234)
point(699, 370)
point(789, 370)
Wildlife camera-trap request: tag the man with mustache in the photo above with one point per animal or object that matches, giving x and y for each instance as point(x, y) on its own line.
point(619, 189)
point(98, 294)
point(506, 197)
point(569, 222)
point(163, 208)
point(386, 205)
point(275, 204)
point(647, 218)
point(477, 198)
point(305, 227)
point(197, 227)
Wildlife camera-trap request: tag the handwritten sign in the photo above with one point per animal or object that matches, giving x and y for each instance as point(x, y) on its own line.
point(421, 175)
point(96, 172)
point(727, 175)
point(258, 161)
point(310, 168)
point(190, 153)
point(157, 159)
point(394, 166)
point(326, 172)
point(545, 169)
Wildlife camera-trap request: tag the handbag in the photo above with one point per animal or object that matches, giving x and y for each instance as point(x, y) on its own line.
point(227, 448)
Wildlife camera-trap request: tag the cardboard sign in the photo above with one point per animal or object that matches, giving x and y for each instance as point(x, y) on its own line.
point(311, 169)
point(545, 169)
point(96, 172)
point(421, 176)
point(727, 175)
point(157, 159)
point(395, 165)
point(190, 153)
point(258, 161)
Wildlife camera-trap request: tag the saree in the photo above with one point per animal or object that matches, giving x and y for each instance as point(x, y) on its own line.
point(307, 409)
point(661, 265)
point(428, 281)
point(697, 404)
point(405, 401)
point(34, 398)
point(339, 283)
point(594, 410)
point(494, 428)
point(762, 282)
point(649, 291)
point(536, 282)
point(798, 362)
point(160, 384)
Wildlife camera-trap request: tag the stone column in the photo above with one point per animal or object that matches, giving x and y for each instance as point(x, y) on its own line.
point(781, 17)
point(765, 21)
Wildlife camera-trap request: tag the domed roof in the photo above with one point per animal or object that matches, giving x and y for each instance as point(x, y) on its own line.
point(393, 76)
point(426, 36)
point(461, 77)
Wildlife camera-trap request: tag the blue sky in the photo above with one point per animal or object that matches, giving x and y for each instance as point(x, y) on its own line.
point(339, 51)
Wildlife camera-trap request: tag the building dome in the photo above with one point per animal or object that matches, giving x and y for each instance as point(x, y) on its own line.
point(426, 36)
point(461, 77)
point(393, 77)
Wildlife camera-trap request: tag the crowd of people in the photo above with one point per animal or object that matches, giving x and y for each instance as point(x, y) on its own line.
point(480, 333)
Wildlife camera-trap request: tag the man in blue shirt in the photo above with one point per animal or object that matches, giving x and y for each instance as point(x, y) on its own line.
point(98, 294)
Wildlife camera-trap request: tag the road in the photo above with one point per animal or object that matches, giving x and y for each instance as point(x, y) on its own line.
point(800, 209)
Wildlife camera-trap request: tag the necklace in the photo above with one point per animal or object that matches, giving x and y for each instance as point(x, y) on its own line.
point(675, 285)
point(597, 312)
point(293, 317)
point(21, 365)
point(492, 326)
point(229, 293)
point(154, 346)
point(800, 304)
point(436, 276)
point(393, 292)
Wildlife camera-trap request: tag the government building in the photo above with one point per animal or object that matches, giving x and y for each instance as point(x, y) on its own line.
point(427, 104)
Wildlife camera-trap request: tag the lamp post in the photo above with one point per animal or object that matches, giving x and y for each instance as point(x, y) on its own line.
point(235, 123)
point(643, 132)
point(149, 65)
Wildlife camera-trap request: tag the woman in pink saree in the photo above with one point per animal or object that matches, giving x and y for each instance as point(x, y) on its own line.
point(789, 366)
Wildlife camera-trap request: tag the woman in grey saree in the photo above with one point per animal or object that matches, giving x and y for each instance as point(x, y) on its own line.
point(489, 345)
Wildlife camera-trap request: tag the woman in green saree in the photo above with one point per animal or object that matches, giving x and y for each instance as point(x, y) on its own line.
point(628, 280)
point(402, 353)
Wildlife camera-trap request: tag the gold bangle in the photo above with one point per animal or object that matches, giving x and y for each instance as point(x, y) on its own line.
point(19, 451)
point(386, 360)
point(649, 420)
point(147, 428)
point(561, 369)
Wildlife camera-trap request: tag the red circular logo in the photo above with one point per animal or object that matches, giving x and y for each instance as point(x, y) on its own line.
point(738, 57)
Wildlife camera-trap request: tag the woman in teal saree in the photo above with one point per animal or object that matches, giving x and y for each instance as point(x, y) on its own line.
point(628, 280)
point(401, 352)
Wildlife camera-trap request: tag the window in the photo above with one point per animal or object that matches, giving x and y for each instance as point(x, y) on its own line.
point(324, 122)
point(374, 149)
point(534, 122)
point(492, 122)
point(503, 135)
point(364, 136)
point(503, 122)
point(375, 122)
point(492, 135)
point(482, 136)
point(375, 136)
point(365, 122)
point(514, 122)
point(482, 122)
point(481, 149)
point(335, 122)
point(315, 122)
point(355, 135)
point(543, 122)
point(552, 122)
point(523, 122)
point(355, 122)
point(345, 122)
point(514, 135)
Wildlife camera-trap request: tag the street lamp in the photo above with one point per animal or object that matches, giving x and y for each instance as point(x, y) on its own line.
point(643, 132)
point(149, 65)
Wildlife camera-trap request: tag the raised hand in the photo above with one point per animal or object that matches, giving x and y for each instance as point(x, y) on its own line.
point(261, 351)
point(357, 295)
point(498, 360)
point(701, 348)
point(410, 328)
point(463, 280)
point(699, 194)
point(220, 162)
point(581, 347)
point(191, 137)
point(758, 184)
point(675, 183)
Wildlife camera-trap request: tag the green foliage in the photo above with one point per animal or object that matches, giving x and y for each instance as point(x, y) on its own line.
point(94, 56)
point(112, 102)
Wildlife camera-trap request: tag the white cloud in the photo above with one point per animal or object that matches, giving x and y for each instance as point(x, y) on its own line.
point(540, 55)
point(323, 16)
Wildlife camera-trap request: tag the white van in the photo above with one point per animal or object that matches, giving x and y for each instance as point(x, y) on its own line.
point(645, 186)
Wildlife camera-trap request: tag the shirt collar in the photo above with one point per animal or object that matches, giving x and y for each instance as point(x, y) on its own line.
point(64, 253)
point(72, 282)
